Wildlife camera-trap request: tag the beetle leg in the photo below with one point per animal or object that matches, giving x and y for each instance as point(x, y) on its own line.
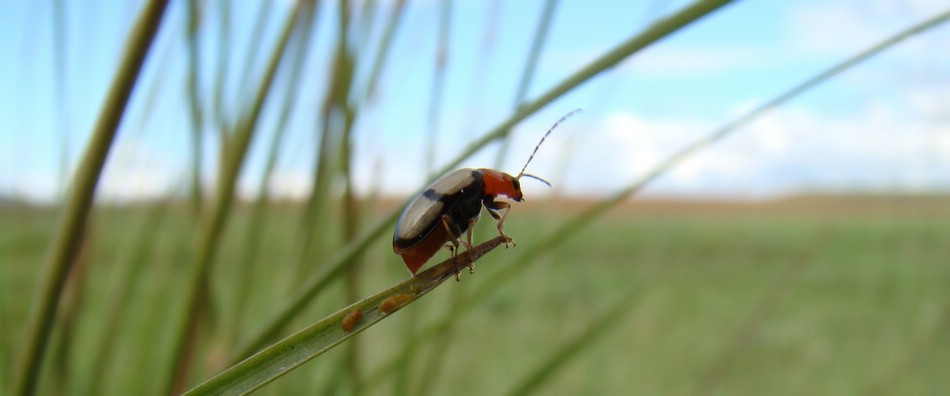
point(493, 208)
point(471, 225)
point(450, 247)
point(454, 239)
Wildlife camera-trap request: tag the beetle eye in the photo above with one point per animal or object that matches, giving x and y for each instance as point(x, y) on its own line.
point(516, 184)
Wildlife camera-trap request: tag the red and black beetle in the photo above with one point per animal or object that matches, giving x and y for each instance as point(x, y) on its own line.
point(452, 205)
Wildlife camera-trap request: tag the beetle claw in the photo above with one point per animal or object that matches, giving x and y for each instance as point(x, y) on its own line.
point(508, 240)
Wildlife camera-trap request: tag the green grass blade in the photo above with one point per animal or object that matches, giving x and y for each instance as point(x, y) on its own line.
point(73, 222)
point(194, 105)
point(295, 350)
point(224, 62)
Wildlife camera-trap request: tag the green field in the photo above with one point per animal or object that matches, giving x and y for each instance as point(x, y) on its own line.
point(826, 295)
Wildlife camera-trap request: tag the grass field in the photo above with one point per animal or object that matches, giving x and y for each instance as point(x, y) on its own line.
point(827, 295)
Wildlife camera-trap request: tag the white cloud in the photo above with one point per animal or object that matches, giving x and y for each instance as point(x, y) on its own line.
point(789, 149)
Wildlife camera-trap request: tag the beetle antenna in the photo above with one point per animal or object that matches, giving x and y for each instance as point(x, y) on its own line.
point(566, 116)
point(536, 178)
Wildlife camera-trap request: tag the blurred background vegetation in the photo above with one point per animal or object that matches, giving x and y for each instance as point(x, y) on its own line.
point(282, 138)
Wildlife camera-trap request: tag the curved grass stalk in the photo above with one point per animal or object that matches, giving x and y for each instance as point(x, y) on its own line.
point(295, 350)
point(65, 245)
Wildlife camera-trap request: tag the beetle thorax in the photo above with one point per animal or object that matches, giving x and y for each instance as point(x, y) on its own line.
point(501, 183)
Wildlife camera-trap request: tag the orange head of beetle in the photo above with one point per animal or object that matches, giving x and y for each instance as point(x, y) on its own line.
point(501, 183)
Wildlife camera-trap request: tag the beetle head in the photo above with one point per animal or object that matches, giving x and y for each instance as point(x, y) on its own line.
point(501, 183)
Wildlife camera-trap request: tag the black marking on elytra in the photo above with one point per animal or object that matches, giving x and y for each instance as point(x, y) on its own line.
point(432, 195)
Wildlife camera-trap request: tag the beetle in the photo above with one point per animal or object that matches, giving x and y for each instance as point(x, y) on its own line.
point(452, 205)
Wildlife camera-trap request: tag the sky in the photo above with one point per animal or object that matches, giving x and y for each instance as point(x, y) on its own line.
point(881, 127)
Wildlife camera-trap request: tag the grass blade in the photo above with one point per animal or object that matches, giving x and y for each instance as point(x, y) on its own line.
point(295, 350)
point(194, 105)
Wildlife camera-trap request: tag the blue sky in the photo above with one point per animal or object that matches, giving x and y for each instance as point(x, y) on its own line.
point(882, 127)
